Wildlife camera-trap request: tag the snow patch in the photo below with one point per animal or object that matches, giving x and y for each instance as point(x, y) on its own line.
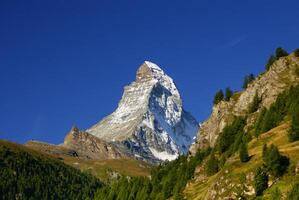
point(163, 155)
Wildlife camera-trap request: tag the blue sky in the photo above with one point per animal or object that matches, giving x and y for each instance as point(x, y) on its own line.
point(66, 62)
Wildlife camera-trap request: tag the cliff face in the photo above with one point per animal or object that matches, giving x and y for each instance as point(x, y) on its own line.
point(91, 147)
point(267, 86)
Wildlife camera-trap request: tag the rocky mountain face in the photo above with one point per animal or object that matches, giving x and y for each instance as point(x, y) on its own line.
point(90, 146)
point(150, 122)
point(267, 86)
point(81, 145)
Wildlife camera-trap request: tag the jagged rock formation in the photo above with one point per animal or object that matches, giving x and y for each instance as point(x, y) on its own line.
point(81, 145)
point(267, 86)
point(150, 122)
point(90, 146)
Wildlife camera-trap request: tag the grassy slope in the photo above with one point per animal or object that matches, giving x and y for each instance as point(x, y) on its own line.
point(104, 168)
point(229, 176)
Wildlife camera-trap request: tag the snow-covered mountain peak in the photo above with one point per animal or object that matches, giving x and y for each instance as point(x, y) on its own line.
point(150, 120)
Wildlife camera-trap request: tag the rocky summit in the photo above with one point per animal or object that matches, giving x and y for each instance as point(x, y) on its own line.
point(150, 122)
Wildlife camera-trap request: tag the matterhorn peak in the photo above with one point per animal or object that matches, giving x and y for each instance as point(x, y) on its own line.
point(148, 70)
point(150, 121)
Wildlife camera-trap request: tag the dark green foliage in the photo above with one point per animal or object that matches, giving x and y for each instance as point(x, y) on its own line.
point(294, 192)
point(260, 181)
point(243, 152)
point(274, 162)
point(247, 80)
point(168, 179)
point(280, 52)
point(227, 137)
point(270, 62)
point(228, 94)
point(294, 129)
point(287, 103)
point(259, 122)
point(29, 176)
point(296, 52)
point(219, 96)
point(255, 104)
point(212, 165)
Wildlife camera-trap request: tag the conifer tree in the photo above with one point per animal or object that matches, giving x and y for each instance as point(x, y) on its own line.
point(294, 129)
point(260, 181)
point(212, 165)
point(247, 80)
point(280, 52)
point(219, 96)
point(275, 163)
point(243, 152)
point(254, 105)
point(228, 94)
point(270, 61)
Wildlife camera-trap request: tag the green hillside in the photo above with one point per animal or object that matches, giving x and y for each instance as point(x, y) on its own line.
point(26, 174)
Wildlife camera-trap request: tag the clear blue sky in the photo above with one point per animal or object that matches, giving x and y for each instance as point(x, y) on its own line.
point(66, 62)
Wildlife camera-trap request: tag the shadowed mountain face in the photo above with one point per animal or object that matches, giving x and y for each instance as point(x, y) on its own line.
point(150, 122)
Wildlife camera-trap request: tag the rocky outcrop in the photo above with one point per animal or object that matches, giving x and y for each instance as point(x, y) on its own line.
point(81, 145)
point(150, 122)
point(267, 86)
point(90, 146)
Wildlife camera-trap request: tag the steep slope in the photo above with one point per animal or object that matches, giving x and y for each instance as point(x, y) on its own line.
point(236, 178)
point(267, 86)
point(90, 146)
point(27, 174)
point(150, 120)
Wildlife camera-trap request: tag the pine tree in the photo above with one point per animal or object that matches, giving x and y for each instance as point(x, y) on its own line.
point(243, 152)
point(219, 96)
point(270, 61)
point(254, 105)
point(260, 181)
point(228, 94)
point(212, 165)
point(294, 129)
point(275, 163)
point(247, 80)
point(280, 52)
